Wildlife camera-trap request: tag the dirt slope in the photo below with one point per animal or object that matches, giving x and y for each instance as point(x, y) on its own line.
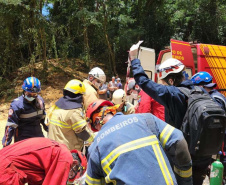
point(59, 73)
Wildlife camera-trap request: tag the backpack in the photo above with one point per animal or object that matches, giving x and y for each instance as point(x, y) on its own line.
point(203, 124)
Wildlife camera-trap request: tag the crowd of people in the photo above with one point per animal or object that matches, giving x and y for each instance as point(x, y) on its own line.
point(130, 136)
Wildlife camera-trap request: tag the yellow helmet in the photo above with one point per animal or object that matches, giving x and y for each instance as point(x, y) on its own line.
point(75, 86)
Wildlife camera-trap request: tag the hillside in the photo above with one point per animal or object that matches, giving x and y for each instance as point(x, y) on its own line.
point(59, 73)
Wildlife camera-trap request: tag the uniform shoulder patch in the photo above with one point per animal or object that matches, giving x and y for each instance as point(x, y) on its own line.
point(10, 112)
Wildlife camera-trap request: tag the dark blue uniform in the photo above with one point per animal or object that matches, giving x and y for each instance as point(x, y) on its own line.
point(130, 149)
point(24, 120)
point(221, 100)
point(170, 97)
point(175, 103)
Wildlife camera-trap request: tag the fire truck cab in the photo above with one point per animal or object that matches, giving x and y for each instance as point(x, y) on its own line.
point(196, 57)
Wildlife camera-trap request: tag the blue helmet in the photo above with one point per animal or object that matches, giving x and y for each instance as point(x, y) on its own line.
point(31, 84)
point(201, 78)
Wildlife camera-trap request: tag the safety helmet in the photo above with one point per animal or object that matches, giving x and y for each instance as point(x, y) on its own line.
point(31, 84)
point(119, 96)
point(98, 74)
point(94, 107)
point(169, 66)
point(75, 86)
point(201, 78)
point(79, 166)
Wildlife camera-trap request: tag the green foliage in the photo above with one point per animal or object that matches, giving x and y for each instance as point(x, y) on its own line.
point(101, 30)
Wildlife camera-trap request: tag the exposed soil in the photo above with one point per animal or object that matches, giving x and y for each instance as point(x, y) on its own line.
point(59, 73)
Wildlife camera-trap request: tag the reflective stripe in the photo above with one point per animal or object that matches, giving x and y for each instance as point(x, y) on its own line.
point(183, 173)
point(79, 124)
point(33, 114)
point(92, 181)
point(162, 165)
point(133, 145)
point(165, 134)
point(71, 90)
point(11, 124)
point(59, 123)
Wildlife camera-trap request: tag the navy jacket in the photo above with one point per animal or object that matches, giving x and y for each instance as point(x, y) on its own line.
point(24, 120)
point(219, 98)
point(130, 149)
point(170, 97)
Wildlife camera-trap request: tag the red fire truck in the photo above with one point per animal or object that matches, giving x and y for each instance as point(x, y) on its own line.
point(196, 57)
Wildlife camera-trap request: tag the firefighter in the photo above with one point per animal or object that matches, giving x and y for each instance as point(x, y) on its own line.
point(26, 113)
point(204, 80)
point(170, 73)
point(95, 78)
point(119, 97)
point(67, 121)
point(40, 161)
point(131, 149)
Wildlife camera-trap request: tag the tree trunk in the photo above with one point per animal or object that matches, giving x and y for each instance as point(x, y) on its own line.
point(110, 51)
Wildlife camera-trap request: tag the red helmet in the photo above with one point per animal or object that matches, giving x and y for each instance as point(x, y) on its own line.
point(79, 166)
point(95, 106)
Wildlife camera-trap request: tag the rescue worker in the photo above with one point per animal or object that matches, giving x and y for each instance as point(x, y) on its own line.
point(26, 113)
point(119, 97)
point(130, 149)
point(95, 78)
point(170, 73)
point(146, 104)
point(67, 122)
point(204, 79)
point(40, 161)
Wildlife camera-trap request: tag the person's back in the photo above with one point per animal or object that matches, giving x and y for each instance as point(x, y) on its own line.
point(72, 124)
point(174, 101)
point(134, 155)
point(35, 161)
point(146, 104)
point(67, 120)
point(204, 80)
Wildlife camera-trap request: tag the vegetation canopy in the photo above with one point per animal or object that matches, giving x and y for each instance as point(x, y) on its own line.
point(98, 31)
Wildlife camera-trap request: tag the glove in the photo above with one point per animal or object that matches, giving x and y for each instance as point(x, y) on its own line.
point(133, 52)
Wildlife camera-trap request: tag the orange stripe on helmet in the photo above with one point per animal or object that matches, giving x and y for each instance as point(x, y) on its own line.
point(33, 81)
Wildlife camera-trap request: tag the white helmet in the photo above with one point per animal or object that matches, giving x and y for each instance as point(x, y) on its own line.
point(169, 66)
point(98, 74)
point(119, 96)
